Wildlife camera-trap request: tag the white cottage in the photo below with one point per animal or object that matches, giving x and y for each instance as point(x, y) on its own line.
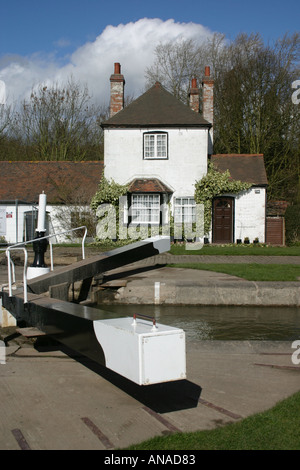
point(160, 148)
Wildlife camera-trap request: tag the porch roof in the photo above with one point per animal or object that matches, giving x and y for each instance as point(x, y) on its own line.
point(148, 185)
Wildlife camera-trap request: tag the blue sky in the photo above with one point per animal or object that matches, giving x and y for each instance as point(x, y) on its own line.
point(46, 40)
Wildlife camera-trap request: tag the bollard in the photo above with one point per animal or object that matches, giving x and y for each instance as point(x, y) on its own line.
point(2, 353)
point(38, 267)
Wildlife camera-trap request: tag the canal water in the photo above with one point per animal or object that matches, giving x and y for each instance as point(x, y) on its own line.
point(221, 322)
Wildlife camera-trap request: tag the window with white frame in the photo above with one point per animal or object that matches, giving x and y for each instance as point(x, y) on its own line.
point(155, 145)
point(184, 210)
point(145, 208)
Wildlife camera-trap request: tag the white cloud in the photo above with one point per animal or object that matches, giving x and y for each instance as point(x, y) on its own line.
point(2, 93)
point(131, 44)
point(62, 43)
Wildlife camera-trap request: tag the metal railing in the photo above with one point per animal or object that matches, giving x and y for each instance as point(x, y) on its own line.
point(21, 246)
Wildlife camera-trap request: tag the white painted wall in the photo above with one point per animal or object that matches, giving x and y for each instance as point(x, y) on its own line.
point(250, 210)
point(187, 161)
point(15, 222)
point(249, 215)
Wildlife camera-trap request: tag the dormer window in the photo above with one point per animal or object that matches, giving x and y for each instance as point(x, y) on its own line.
point(155, 145)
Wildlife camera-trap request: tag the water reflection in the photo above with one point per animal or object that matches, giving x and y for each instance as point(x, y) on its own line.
point(222, 323)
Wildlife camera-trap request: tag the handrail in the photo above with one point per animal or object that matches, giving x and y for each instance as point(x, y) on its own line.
point(147, 317)
point(21, 246)
point(10, 263)
point(51, 236)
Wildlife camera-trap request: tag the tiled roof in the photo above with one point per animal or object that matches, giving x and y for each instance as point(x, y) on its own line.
point(249, 168)
point(148, 185)
point(156, 108)
point(62, 182)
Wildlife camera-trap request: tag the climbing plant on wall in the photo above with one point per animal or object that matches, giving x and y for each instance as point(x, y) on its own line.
point(106, 205)
point(108, 193)
point(214, 184)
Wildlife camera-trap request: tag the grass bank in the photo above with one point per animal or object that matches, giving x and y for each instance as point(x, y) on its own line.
point(275, 429)
point(179, 249)
point(237, 250)
point(250, 272)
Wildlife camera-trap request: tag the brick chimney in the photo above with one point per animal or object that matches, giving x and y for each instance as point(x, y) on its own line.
point(117, 84)
point(194, 96)
point(208, 104)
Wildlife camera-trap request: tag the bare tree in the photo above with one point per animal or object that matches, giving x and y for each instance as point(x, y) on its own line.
point(176, 63)
point(254, 112)
point(5, 122)
point(59, 123)
point(253, 109)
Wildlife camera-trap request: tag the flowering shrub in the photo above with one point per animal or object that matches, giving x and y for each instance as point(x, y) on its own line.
point(214, 184)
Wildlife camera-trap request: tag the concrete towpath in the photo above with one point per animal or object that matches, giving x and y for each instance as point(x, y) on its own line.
point(51, 400)
point(151, 281)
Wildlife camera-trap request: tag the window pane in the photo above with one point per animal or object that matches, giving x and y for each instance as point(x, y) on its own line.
point(155, 146)
point(149, 145)
point(185, 210)
point(145, 208)
point(161, 145)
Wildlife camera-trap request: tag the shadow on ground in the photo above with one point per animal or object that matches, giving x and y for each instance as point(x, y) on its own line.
point(161, 398)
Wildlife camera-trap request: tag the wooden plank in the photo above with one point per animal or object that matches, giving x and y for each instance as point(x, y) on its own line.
point(30, 332)
point(275, 230)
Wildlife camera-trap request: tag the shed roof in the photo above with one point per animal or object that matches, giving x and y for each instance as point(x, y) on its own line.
point(249, 168)
point(62, 182)
point(156, 108)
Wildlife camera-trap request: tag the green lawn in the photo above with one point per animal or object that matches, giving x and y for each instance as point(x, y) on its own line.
point(222, 250)
point(251, 272)
point(237, 250)
point(275, 429)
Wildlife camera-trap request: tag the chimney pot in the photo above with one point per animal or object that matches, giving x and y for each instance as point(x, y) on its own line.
point(117, 84)
point(194, 96)
point(207, 71)
point(117, 68)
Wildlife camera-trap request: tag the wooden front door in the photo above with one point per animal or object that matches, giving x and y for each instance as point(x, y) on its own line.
point(223, 220)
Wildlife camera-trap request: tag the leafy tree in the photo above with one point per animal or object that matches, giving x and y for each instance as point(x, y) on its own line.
point(292, 224)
